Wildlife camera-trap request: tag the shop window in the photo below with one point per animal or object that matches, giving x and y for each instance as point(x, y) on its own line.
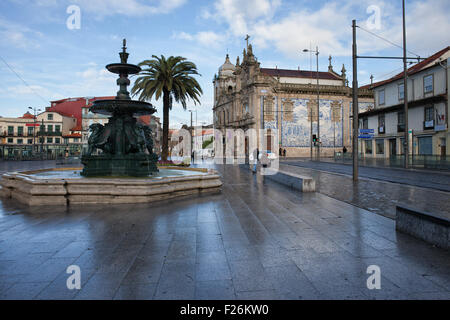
point(379, 146)
point(368, 145)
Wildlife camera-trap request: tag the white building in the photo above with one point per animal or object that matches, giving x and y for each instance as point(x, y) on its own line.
point(428, 83)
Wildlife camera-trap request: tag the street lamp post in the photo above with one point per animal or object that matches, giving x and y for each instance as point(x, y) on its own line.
point(192, 129)
point(316, 52)
point(34, 127)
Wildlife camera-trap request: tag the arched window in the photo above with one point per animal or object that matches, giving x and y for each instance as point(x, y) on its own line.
point(230, 89)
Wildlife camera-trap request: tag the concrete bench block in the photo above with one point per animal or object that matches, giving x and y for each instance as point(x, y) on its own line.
point(292, 180)
point(429, 227)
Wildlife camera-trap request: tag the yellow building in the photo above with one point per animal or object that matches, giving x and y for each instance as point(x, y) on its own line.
point(45, 135)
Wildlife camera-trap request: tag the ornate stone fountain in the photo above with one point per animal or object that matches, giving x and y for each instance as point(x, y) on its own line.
point(127, 145)
point(125, 171)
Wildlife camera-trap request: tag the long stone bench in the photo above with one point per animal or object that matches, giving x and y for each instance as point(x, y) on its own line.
point(423, 225)
point(293, 180)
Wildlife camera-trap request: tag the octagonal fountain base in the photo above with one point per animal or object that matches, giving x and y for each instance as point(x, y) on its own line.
point(66, 186)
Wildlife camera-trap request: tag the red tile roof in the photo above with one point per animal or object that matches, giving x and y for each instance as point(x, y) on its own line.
point(72, 106)
point(72, 135)
point(204, 132)
point(412, 70)
point(27, 115)
point(299, 74)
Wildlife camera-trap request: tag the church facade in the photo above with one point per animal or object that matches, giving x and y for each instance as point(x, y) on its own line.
point(247, 96)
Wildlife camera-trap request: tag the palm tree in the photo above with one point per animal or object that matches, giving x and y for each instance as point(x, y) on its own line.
point(171, 78)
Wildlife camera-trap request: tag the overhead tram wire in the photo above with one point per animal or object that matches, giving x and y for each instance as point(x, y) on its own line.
point(384, 39)
point(18, 76)
point(379, 76)
point(390, 42)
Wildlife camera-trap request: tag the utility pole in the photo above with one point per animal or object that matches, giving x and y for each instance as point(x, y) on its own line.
point(316, 52)
point(355, 106)
point(405, 90)
point(192, 135)
point(318, 104)
point(405, 93)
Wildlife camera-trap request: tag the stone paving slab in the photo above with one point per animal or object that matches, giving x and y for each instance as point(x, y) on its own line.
point(255, 240)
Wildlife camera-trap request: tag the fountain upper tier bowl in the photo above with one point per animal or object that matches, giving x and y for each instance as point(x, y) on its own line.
point(123, 68)
point(118, 107)
point(65, 186)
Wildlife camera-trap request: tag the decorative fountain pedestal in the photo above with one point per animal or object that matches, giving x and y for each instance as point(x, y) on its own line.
point(126, 144)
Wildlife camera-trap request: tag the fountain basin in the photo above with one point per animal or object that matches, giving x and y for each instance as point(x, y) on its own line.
point(65, 187)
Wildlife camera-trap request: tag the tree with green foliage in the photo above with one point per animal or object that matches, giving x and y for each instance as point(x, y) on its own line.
point(171, 79)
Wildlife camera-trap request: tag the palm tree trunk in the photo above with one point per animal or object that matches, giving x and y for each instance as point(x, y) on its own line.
point(165, 142)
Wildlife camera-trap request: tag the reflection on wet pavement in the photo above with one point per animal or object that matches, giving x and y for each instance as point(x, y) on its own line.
point(255, 240)
point(375, 195)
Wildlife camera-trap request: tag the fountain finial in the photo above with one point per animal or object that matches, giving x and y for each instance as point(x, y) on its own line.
point(124, 54)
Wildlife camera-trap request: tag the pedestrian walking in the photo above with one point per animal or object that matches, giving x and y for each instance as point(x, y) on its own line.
point(255, 160)
point(284, 153)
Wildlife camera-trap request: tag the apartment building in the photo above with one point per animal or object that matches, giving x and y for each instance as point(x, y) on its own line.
point(428, 83)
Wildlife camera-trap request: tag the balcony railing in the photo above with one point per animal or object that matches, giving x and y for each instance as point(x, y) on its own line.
point(49, 133)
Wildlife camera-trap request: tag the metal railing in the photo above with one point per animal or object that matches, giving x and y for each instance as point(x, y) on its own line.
point(417, 161)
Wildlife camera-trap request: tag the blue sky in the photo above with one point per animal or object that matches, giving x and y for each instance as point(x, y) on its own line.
point(57, 62)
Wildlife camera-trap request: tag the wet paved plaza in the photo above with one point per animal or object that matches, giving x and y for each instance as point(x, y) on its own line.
point(255, 240)
point(378, 192)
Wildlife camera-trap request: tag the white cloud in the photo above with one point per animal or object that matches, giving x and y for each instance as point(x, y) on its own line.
point(129, 7)
point(240, 14)
point(428, 25)
point(204, 38)
point(19, 36)
point(329, 26)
